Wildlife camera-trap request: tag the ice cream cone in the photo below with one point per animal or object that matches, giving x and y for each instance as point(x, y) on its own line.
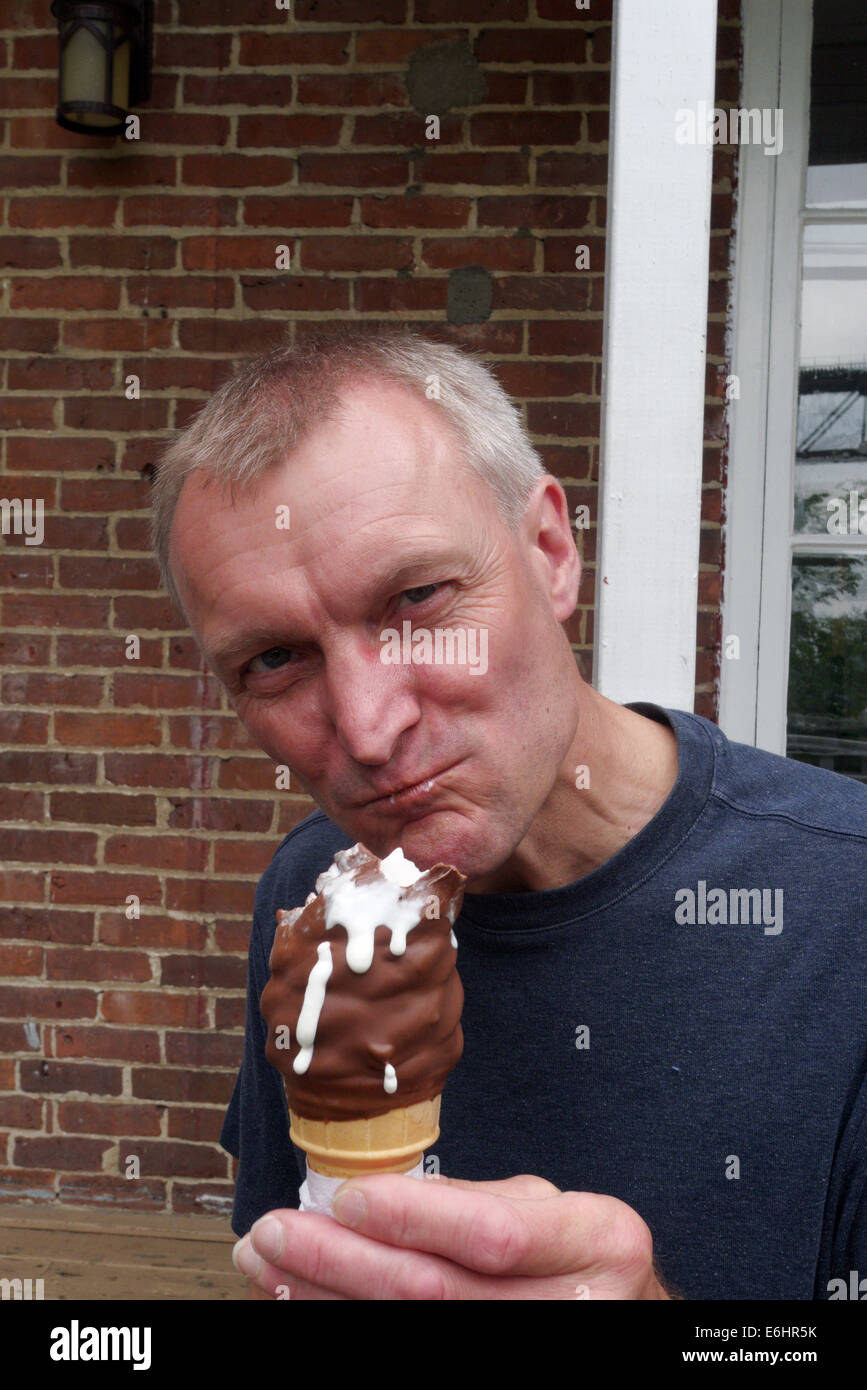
point(389, 1143)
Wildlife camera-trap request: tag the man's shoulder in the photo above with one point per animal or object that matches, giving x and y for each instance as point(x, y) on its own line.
point(298, 860)
point(753, 782)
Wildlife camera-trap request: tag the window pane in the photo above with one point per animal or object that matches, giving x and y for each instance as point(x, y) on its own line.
point(837, 165)
point(827, 703)
point(831, 460)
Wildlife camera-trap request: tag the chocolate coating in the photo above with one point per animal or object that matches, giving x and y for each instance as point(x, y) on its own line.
point(404, 1010)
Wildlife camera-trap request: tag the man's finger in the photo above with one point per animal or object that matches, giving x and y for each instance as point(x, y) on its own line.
point(522, 1185)
point(485, 1231)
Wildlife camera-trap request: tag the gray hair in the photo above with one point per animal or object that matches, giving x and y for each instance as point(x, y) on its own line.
point(255, 418)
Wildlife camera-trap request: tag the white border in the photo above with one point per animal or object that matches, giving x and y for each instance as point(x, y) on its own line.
point(653, 376)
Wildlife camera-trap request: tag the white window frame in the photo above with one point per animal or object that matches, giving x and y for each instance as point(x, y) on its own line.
point(777, 40)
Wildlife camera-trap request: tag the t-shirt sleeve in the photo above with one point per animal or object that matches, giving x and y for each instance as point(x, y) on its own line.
point(256, 1126)
point(847, 1263)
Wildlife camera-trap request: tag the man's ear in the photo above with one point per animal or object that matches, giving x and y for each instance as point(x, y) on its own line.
point(547, 527)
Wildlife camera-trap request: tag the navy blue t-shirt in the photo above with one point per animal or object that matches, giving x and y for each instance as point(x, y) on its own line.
point(655, 1031)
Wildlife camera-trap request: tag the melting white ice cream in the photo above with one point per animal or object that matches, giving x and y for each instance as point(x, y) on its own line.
point(390, 1079)
point(314, 998)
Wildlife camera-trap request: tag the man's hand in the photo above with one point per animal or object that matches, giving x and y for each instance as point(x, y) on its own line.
point(444, 1238)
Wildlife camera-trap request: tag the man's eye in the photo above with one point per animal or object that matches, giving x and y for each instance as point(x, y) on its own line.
point(271, 660)
point(420, 593)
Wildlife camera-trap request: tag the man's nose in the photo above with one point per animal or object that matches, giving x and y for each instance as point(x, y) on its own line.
point(370, 703)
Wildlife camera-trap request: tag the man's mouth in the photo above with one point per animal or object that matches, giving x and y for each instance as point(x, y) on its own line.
point(409, 793)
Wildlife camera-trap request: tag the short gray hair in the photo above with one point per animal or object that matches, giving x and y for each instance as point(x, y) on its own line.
point(254, 419)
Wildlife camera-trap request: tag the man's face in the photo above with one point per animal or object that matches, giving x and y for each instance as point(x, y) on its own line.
point(386, 527)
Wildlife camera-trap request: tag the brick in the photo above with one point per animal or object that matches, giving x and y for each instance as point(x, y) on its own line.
point(34, 50)
point(182, 293)
point(404, 128)
point(146, 614)
point(494, 253)
point(288, 132)
point(246, 774)
point(220, 813)
point(531, 45)
point(534, 211)
point(33, 171)
point(398, 45)
point(7, 1074)
point(60, 374)
point(196, 1084)
point(29, 253)
point(158, 770)
point(176, 1159)
point(28, 335)
point(14, 1039)
point(199, 1124)
point(573, 420)
point(147, 1006)
point(238, 89)
point(316, 295)
point(293, 212)
point(209, 895)
point(526, 379)
point(472, 168)
point(116, 1044)
point(88, 1117)
point(111, 572)
point(356, 253)
point(70, 963)
point(204, 1199)
point(178, 852)
point(21, 726)
point(32, 1002)
point(65, 292)
point(179, 210)
point(229, 1012)
point(542, 292)
point(62, 1153)
point(345, 90)
point(226, 335)
point(571, 170)
point(565, 338)
point(579, 88)
point(123, 252)
point(115, 413)
point(43, 133)
point(122, 172)
point(20, 960)
point(203, 1050)
point(209, 972)
point(20, 568)
point(51, 766)
point(469, 11)
point(41, 845)
point(292, 50)
point(354, 170)
point(291, 813)
point(102, 889)
point(152, 933)
point(161, 128)
point(42, 213)
point(21, 1112)
point(176, 50)
point(103, 808)
point(231, 857)
point(379, 210)
point(117, 335)
point(385, 295)
point(112, 730)
point(227, 170)
point(26, 1184)
point(48, 688)
point(231, 253)
point(24, 413)
point(20, 649)
point(25, 886)
point(559, 253)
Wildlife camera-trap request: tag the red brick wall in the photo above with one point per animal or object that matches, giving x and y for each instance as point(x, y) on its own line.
point(122, 1035)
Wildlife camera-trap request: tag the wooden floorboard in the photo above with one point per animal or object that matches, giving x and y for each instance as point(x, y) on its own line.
point(87, 1253)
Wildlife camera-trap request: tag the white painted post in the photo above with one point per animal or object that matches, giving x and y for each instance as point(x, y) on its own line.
point(653, 381)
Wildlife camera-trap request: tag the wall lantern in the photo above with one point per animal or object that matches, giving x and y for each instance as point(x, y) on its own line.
point(105, 48)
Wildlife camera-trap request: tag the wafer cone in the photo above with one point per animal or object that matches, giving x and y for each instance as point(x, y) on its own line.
point(389, 1143)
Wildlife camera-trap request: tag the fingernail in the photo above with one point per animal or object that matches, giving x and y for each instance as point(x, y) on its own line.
point(349, 1206)
point(245, 1259)
point(267, 1237)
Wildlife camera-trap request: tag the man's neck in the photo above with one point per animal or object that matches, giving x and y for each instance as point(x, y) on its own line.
point(630, 766)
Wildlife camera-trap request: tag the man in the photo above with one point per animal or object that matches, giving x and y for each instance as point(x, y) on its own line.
point(661, 942)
